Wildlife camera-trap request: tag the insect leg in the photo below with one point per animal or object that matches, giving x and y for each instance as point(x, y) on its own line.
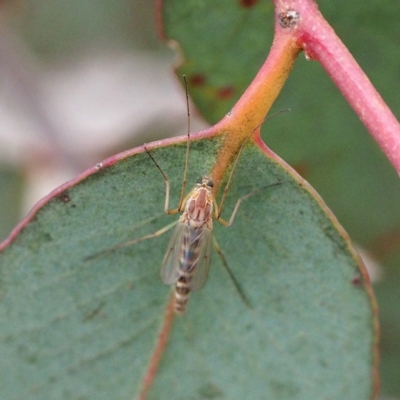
point(164, 175)
point(167, 185)
point(132, 242)
point(230, 273)
point(235, 210)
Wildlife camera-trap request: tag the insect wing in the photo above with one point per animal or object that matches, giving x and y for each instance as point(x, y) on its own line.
point(200, 273)
point(171, 266)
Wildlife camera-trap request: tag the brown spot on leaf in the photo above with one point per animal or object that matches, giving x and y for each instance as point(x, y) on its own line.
point(247, 3)
point(197, 80)
point(356, 281)
point(225, 92)
point(64, 197)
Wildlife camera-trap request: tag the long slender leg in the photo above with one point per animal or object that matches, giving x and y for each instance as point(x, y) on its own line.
point(167, 186)
point(230, 273)
point(164, 175)
point(132, 242)
point(239, 202)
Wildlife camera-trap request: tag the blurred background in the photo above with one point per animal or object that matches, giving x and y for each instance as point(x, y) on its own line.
point(83, 80)
point(80, 81)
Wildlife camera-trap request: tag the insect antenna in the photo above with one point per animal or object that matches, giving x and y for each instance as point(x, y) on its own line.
point(187, 147)
point(185, 172)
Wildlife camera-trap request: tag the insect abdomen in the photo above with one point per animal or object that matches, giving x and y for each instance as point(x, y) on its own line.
point(188, 262)
point(182, 293)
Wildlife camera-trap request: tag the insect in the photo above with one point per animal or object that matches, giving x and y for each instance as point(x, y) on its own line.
point(187, 259)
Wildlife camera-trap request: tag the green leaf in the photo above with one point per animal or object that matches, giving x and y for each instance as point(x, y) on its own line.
point(217, 47)
point(79, 328)
point(322, 137)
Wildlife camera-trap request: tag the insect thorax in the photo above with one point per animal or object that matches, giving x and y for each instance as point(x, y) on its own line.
point(199, 207)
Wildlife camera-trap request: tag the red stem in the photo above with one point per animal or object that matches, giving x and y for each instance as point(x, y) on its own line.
point(320, 42)
point(158, 351)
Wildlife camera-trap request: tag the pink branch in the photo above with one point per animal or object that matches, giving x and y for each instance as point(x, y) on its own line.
point(302, 19)
point(159, 349)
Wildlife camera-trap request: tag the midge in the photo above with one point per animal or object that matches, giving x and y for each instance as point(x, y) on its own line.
point(187, 260)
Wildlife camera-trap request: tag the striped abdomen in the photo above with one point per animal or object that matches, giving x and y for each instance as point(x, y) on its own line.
point(189, 258)
point(182, 292)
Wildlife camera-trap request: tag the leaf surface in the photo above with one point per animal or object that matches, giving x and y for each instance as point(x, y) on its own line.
point(79, 328)
point(321, 137)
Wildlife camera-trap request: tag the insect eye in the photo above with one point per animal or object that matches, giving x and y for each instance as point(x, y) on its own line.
point(210, 183)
